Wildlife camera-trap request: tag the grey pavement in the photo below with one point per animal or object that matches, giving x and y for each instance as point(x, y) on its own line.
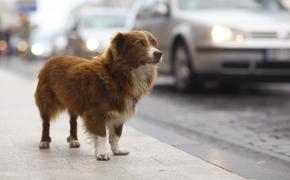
point(20, 157)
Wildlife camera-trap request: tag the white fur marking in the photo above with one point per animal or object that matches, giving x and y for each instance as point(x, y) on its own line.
point(44, 145)
point(117, 118)
point(74, 144)
point(151, 52)
point(114, 141)
point(140, 76)
point(100, 148)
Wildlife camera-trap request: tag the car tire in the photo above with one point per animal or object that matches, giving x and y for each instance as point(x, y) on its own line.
point(185, 79)
point(230, 87)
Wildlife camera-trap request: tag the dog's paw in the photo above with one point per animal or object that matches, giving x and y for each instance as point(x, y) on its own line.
point(73, 143)
point(44, 145)
point(103, 157)
point(120, 152)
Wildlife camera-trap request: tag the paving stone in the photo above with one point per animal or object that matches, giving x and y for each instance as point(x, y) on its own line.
point(118, 174)
point(14, 175)
point(49, 163)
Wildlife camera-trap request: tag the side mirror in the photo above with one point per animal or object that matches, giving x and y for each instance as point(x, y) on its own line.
point(160, 10)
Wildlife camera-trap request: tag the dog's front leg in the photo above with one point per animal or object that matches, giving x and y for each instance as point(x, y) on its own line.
point(96, 126)
point(100, 142)
point(115, 133)
point(100, 148)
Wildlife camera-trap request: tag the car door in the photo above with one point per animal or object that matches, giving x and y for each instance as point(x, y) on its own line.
point(161, 27)
point(153, 18)
point(143, 16)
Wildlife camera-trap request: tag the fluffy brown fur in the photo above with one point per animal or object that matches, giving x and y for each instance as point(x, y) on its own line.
point(103, 91)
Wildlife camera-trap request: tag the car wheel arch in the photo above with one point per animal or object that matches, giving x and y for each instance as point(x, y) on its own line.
point(184, 32)
point(180, 39)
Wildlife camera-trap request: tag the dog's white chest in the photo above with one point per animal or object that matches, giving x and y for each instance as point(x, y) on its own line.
point(121, 117)
point(140, 77)
point(140, 87)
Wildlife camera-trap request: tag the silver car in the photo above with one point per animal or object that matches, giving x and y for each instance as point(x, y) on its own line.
point(220, 40)
point(92, 29)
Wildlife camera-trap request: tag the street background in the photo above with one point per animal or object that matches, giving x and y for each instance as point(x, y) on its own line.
point(244, 130)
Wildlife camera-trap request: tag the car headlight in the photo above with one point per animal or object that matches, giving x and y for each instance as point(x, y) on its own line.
point(22, 46)
point(3, 45)
point(220, 33)
point(37, 49)
point(92, 44)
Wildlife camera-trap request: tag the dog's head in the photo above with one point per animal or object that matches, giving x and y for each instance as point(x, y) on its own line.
point(136, 48)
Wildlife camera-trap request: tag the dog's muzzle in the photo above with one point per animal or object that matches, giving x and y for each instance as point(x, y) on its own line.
point(157, 57)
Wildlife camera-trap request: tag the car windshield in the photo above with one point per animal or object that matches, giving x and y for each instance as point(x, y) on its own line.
point(262, 5)
point(104, 21)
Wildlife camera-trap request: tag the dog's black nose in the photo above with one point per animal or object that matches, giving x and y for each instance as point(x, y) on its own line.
point(157, 54)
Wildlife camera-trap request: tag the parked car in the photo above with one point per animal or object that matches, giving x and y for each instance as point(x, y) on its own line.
point(59, 43)
point(92, 30)
point(37, 46)
point(220, 40)
point(40, 44)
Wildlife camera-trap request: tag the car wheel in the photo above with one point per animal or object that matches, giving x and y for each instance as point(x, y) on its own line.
point(230, 87)
point(182, 68)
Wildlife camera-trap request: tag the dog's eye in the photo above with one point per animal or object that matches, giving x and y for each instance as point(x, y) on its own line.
point(154, 43)
point(141, 44)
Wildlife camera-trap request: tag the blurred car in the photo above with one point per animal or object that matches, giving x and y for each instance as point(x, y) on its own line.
point(59, 43)
point(92, 30)
point(220, 40)
point(39, 45)
point(18, 45)
point(3, 45)
point(9, 23)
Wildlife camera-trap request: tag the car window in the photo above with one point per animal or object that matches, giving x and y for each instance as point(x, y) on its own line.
point(103, 21)
point(147, 8)
point(264, 5)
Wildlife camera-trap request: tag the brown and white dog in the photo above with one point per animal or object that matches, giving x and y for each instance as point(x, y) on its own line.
point(103, 91)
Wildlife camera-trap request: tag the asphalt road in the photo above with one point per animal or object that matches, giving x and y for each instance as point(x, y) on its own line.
point(257, 116)
point(254, 120)
point(245, 131)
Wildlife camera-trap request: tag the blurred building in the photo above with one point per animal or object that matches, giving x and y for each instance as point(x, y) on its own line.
point(9, 18)
point(9, 24)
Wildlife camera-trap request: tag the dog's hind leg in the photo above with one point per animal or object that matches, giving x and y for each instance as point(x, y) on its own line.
point(73, 138)
point(48, 106)
point(45, 138)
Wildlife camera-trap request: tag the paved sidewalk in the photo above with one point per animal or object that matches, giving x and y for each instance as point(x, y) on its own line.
point(20, 157)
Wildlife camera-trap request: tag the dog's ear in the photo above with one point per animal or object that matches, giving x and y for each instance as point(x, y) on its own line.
point(151, 37)
point(148, 33)
point(117, 44)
